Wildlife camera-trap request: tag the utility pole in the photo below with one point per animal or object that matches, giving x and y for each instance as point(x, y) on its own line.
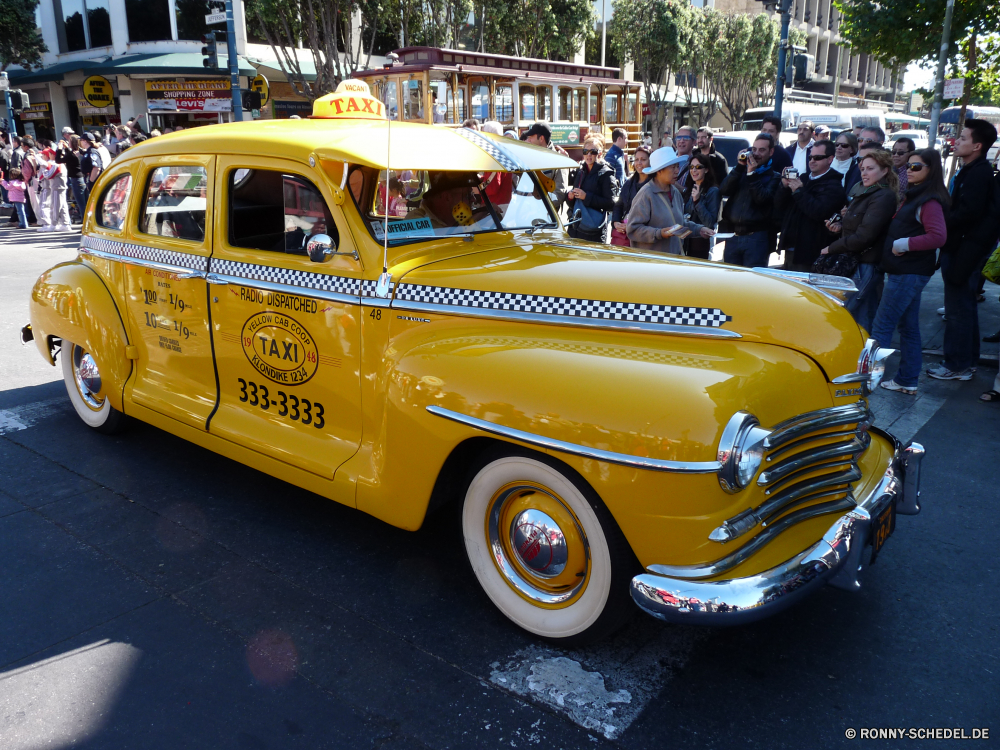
point(836, 77)
point(234, 63)
point(604, 29)
point(10, 110)
point(779, 87)
point(939, 84)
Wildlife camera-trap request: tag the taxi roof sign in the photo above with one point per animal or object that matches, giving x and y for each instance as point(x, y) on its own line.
point(352, 100)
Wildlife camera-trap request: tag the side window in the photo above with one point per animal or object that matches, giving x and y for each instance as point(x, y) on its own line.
point(113, 205)
point(274, 211)
point(175, 203)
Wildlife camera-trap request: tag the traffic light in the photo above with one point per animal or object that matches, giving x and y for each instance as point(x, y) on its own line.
point(19, 100)
point(251, 99)
point(804, 66)
point(210, 50)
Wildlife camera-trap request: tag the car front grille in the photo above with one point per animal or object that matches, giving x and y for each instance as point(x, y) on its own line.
point(809, 465)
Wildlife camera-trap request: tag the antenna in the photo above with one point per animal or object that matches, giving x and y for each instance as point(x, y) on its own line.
point(385, 278)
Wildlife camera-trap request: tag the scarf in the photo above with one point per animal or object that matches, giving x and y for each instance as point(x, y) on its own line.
point(843, 165)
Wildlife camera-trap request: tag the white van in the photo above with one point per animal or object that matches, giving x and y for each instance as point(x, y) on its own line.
point(835, 118)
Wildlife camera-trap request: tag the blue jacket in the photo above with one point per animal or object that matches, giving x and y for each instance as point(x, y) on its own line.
point(616, 160)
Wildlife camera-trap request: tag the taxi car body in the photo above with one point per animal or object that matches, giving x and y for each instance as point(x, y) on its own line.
point(612, 424)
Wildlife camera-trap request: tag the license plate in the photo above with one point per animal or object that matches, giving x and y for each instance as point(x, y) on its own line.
point(883, 524)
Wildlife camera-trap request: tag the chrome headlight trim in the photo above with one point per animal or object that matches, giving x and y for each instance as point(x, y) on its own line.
point(741, 451)
point(871, 367)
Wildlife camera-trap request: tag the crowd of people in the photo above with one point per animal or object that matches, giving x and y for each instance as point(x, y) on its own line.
point(849, 207)
point(46, 185)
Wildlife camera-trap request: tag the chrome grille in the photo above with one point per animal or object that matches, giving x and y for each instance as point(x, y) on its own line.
point(810, 458)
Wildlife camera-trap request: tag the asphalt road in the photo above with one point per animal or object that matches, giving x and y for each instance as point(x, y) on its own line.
point(156, 595)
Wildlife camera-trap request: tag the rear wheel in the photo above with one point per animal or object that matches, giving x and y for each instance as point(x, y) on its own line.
point(86, 389)
point(550, 558)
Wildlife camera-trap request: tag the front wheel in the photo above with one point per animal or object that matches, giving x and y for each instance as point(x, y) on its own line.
point(553, 561)
point(85, 387)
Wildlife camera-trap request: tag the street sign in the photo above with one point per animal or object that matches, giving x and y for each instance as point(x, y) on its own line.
point(953, 88)
point(260, 85)
point(215, 18)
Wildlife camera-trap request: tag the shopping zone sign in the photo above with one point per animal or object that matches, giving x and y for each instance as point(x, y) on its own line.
point(189, 96)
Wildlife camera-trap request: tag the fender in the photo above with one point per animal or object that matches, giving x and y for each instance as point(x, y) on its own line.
point(586, 388)
point(71, 302)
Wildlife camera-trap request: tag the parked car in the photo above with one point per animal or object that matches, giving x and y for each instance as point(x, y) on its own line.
point(608, 424)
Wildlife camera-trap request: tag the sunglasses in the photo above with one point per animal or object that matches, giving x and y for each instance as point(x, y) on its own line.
point(683, 138)
point(699, 167)
point(916, 166)
point(867, 140)
point(593, 151)
point(843, 145)
point(818, 158)
point(900, 153)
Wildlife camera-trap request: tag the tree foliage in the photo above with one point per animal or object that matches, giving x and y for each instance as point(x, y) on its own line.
point(20, 41)
point(547, 29)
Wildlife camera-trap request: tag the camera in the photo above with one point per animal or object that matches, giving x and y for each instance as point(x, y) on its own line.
point(835, 219)
point(743, 156)
point(790, 173)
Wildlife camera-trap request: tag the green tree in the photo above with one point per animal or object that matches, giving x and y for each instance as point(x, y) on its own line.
point(546, 29)
point(741, 63)
point(20, 41)
point(700, 32)
point(650, 34)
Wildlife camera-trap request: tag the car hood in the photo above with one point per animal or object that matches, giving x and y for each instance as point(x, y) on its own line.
point(572, 275)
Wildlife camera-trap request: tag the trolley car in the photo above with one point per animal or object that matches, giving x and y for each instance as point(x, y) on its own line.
point(445, 87)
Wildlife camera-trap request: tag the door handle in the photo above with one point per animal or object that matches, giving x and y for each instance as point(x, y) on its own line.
point(215, 279)
point(191, 275)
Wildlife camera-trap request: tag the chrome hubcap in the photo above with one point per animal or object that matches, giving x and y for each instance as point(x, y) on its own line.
point(542, 554)
point(539, 543)
point(88, 378)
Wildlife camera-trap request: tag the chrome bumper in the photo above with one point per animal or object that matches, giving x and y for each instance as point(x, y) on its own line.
point(836, 559)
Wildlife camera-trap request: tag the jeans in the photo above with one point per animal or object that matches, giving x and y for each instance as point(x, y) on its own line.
point(900, 306)
point(79, 194)
point(869, 280)
point(22, 215)
point(961, 328)
point(748, 250)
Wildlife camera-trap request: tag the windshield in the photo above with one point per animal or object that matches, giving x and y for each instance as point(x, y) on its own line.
point(425, 204)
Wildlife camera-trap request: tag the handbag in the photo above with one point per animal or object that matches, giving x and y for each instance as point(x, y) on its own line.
point(991, 270)
point(837, 264)
point(620, 237)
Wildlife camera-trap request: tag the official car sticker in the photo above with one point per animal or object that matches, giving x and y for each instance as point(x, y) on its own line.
point(280, 348)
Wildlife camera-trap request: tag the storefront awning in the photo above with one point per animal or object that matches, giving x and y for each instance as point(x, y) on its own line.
point(272, 68)
point(167, 64)
point(51, 73)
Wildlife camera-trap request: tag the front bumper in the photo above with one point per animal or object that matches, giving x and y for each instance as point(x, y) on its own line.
point(836, 559)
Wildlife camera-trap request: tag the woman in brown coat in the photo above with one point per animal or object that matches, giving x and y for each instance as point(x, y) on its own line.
point(863, 225)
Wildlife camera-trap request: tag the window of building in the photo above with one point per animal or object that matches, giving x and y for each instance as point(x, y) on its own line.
point(175, 203)
point(148, 20)
point(274, 211)
point(83, 24)
point(191, 19)
point(113, 206)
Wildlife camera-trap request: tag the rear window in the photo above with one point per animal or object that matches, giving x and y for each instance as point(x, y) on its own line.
point(175, 203)
point(730, 147)
point(113, 204)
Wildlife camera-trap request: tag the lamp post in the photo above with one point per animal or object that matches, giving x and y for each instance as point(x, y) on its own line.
point(779, 86)
point(939, 84)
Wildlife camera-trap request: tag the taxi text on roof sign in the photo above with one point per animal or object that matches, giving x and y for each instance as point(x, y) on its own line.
point(352, 100)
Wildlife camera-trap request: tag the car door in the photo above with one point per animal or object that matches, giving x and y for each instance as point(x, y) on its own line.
point(167, 258)
point(286, 329)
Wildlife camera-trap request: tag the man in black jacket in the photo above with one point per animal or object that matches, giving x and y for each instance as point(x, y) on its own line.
point(750, 187)
point(805, 204)
point(972, 235)
point(720, 167)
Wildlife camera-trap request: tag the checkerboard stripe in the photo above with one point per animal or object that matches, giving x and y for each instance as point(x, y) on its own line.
point(491, 147)
point(301, 279)
point(566, 307)
point(151, 254)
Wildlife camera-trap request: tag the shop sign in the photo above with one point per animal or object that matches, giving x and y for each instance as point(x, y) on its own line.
point(85, 108)
point(189, 96)
point(260, 85)
point(284, 110)
point(36, 112)
point(98, 92)
point(565, 135)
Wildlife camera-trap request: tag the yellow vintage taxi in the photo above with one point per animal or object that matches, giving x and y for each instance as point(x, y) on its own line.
point(348, 304)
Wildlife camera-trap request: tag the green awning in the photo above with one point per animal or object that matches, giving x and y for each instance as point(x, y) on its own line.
point(168, 64)
point(272, 68)
point(51, 73)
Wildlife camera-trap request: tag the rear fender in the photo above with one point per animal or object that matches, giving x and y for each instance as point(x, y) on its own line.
point(71, 302)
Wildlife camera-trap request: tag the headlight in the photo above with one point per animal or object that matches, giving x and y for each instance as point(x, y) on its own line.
point(741, 451)
point(871, 367)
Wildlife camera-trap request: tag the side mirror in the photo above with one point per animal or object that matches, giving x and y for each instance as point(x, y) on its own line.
point(321, 247)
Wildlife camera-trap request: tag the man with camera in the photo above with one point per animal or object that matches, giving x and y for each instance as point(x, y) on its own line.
point(750, 186)
point(805, 202)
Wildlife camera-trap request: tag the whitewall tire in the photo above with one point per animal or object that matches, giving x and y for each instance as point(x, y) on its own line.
point(86, 389)
point(552, 560)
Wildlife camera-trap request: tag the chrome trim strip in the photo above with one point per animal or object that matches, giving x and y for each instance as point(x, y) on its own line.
point(623, 459)
point(561, 320)
point(169, 268)
point(802, 491)
point(270, 286)
point(807, 279)
point(812, 456)
point(834, 416)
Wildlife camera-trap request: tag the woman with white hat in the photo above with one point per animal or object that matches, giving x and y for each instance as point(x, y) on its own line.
point(656, 221)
